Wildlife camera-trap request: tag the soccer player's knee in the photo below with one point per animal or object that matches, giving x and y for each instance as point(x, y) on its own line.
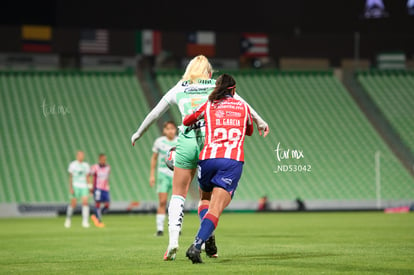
point(163, 204)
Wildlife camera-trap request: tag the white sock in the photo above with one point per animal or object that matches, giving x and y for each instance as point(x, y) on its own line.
point(69, 212)
point(85, 213)
point(160, 222)
point(175, 218)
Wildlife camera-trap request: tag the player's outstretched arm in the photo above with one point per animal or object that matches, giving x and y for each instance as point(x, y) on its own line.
point(262, 126)
point(155, 114)
point(197, 114)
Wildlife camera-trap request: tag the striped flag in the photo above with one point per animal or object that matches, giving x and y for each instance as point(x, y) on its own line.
point(254, 44)
point(201, 42)
point(94, 41)
point(36, 38)
point(148, 42)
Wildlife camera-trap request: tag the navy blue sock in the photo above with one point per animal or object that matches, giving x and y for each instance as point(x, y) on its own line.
point(202, 210)
point(207, 226)
point(98, 212)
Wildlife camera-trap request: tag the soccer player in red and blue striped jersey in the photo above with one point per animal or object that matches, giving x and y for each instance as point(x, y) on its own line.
point(100, 173)
point(227, 122)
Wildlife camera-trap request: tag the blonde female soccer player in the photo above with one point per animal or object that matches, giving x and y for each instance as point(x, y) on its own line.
point(191, 91)
point(164, 174)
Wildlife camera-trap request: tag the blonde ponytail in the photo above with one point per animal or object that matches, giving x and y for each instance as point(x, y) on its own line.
point(198, 68)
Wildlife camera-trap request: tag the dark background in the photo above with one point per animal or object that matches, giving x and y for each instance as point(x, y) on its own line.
point(301, 28)
point(284, 17)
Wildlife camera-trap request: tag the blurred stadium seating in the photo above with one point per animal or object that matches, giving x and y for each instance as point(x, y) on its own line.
point(51, 115)
point(392, 92)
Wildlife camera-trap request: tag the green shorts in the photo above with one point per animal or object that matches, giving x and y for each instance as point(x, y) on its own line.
point(78, 193)
point(188, 151)
point(164, 183)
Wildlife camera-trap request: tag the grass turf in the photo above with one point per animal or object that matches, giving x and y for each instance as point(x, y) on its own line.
point(284, 243)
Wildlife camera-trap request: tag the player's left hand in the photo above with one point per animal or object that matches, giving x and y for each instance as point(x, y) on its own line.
point(264, 130)
point(134, 138)
point(152, 181)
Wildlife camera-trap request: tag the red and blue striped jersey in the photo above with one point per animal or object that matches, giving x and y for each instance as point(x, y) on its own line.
point(100, 176)
point(227, 122)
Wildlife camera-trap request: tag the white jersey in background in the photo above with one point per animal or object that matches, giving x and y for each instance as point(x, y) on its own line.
point(161, 146)
point(79, 171)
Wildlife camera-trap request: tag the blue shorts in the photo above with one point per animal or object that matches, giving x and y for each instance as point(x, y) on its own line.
point(223, 173)
point(100, 195)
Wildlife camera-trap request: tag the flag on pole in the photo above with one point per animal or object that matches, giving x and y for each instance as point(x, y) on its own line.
point(201, 42)
point(254, 44)
point(148, 42)
point(94, 41)
point(36, 38)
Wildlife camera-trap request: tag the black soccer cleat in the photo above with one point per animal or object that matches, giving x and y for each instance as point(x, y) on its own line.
point(194, 255)
point(211, 248)
point(159, 234)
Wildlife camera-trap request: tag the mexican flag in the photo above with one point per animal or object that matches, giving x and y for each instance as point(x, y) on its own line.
point(148, 42)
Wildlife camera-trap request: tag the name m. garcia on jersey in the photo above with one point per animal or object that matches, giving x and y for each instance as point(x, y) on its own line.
point(228, 122)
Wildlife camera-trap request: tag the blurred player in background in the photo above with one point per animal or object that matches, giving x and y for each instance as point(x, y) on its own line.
point(164, 174)
point(79, 188)
point(191, 91)
point(227, 121)
point(100, 178)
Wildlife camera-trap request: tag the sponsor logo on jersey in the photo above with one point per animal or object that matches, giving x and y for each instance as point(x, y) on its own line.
point(196, 90)
point(199, 81)
point(103, 174)
point(220, 114)
point(231, 113)
point(199, 124)
point(228, 105)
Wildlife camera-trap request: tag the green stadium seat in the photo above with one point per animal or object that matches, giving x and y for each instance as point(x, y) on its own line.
point(47, 116)
point(392, 92)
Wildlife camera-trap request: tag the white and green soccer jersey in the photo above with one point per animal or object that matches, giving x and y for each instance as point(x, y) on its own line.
point(161, 146)
point(79, 171)
point(188, 96)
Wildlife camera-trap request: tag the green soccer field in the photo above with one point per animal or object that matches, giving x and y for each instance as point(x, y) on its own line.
point(284, 243)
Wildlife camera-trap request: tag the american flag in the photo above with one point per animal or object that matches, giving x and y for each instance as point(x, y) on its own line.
point(94, 41)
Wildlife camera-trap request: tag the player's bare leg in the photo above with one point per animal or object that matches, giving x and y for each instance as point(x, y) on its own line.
point(181, 181)
point(85, 212)
point(96, 218)
point(69, 212)
point(161, 211)
point(104, 211)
